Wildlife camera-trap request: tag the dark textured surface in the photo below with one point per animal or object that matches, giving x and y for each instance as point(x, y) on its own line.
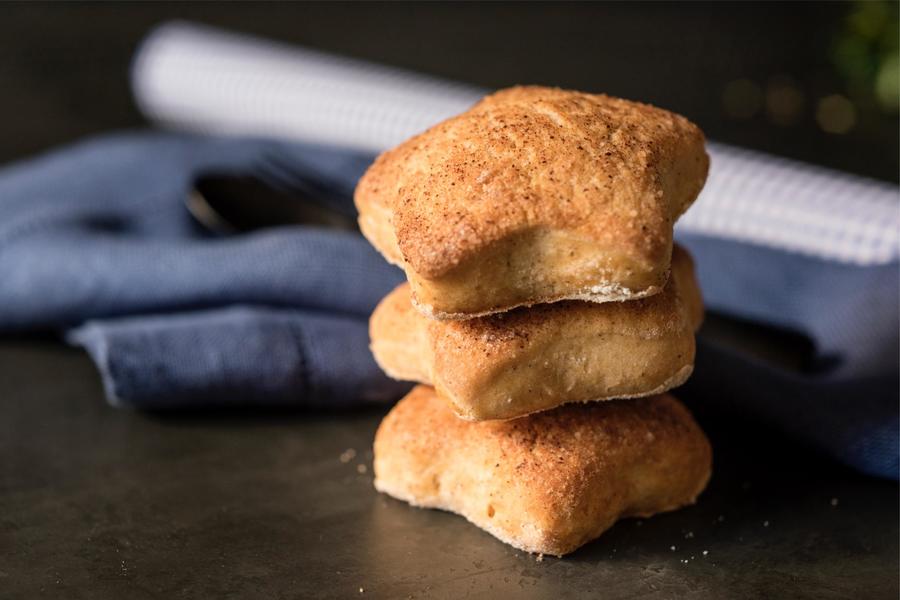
point(104, 503)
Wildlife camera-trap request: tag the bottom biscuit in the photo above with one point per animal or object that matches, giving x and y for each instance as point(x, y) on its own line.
point(548, 482)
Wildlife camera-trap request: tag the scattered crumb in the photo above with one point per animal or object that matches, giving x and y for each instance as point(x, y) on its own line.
point(705, 552)
point(539, 558)
point(689, 535)
point(361, 590)
point(765, 523)
point(361, 469)
point(348, 455)
point(834, 501)
point(672, 548)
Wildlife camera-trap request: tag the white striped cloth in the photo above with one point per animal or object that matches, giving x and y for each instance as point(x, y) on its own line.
point(201, 79)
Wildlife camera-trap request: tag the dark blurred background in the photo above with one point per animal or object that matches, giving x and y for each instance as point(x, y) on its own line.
point(815, 81)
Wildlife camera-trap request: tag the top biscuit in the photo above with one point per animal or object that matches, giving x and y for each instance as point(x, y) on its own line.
point(534, 195)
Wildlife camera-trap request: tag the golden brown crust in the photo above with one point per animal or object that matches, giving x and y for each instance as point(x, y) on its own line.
point(534, 195)
point(531, 359)
point(549, 482)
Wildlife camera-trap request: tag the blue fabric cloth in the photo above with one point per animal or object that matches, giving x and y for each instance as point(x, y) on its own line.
point(95, 242)
point(845, 401)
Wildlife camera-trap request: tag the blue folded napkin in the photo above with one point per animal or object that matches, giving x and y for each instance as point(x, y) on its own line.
point(96, 242)
point(845, 401)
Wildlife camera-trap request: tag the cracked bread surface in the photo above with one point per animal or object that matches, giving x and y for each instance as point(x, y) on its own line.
point(550, 482)
point(534, 195)
point(531, 359)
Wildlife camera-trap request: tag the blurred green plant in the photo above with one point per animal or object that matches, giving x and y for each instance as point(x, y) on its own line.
point(867, 53)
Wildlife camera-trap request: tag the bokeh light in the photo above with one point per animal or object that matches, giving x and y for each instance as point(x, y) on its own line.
point(742, 99)
point(835, 114)
point(784, 100)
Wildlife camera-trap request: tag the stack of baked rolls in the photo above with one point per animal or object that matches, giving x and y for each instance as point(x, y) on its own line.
point(546, 314)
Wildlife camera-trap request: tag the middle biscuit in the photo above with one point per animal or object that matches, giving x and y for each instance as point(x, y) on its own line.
point(531, 359)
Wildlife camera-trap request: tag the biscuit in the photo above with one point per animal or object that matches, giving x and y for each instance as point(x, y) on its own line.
point(549, 482)
point(530, 359)
point(534, 195)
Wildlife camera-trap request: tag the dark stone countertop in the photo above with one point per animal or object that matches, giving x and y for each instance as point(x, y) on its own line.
point(99, 503)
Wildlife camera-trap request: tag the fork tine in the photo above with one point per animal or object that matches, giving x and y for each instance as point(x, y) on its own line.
point(276, 175)
point(293, 180)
